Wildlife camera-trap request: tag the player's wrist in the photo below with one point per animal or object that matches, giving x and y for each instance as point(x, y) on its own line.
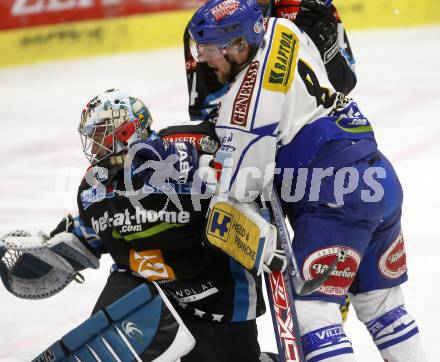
point(330, 51)
point(66, 224)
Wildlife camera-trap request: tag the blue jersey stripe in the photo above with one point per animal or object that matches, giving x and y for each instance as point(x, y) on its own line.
point(238, 167)
point(397, 340)
point(241, 292)
point(246, 131)
point(262, 74)
point(329, 354)
point(399, 328)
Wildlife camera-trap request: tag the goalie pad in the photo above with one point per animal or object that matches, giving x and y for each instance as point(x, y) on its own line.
point(239, 230)
point(37, 267)
point(140, 326)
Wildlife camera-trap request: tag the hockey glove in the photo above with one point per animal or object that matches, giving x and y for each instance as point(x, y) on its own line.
point(275, 260)
point(287, 9)
point(66, 224)
point(320, 24)
point(37, 267)
point(202, 135)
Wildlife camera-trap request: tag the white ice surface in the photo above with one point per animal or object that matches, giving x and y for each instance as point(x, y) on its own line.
point(42, 163)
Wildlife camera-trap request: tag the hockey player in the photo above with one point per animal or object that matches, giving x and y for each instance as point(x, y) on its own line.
point(320, 22)
point(135, 204)
point(281, 116)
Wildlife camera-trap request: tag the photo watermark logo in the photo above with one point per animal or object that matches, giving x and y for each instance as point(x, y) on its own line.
point(176, 176)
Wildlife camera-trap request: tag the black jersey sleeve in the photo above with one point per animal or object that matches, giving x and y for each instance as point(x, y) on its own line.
point(204, 90)
point(81, 225)
point(341, 74)
point(324, 26)
point(340, 69)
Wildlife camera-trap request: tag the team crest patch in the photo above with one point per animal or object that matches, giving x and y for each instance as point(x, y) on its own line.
point(242, 102)
point(150, 265)
point(342, 277)
point(281, 65)
point(392, 263)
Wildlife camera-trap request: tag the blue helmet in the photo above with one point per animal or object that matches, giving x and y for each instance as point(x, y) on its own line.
point(220, 21)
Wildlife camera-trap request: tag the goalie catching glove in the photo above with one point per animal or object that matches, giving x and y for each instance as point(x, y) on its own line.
point(239, 230)
point(39, 267)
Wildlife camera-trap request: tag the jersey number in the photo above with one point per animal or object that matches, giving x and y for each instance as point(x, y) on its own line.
point(321, 94)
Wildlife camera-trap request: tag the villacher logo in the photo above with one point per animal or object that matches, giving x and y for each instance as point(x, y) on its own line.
point(342, 277)
point(392, 263)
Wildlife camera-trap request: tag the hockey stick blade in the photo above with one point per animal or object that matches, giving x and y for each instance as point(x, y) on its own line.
point(305, 287)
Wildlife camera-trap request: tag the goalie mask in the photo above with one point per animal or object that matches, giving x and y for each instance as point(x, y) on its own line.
point(110, 123)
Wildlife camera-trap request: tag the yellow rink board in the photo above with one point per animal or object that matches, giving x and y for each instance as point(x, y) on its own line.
point(365, 14)
point(86, 38)
point(158, 30)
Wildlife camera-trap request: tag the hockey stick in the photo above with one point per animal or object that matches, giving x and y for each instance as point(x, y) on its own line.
point(301, 286)
point(284, 318)
point(282, 308)
point(280, 287)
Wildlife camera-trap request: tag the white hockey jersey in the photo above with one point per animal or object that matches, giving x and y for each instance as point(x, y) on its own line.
point(284, 87)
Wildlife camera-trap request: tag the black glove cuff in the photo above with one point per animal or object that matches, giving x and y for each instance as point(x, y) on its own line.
point(66, 224)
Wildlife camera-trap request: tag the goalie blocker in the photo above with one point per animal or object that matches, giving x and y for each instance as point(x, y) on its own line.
point(238, 230)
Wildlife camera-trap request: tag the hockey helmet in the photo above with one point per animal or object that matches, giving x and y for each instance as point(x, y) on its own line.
point(220, 22)
point(110, 123)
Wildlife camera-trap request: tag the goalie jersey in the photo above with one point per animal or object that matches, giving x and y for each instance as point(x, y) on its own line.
point(159, 241)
